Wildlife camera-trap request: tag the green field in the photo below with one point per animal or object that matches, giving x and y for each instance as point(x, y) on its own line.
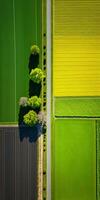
point(20, 27)
point(74, 159)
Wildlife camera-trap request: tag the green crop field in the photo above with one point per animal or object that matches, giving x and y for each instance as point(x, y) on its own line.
point(20, 27)
point(74, 160)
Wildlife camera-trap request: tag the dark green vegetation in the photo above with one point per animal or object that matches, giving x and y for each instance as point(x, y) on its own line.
point(20, 26)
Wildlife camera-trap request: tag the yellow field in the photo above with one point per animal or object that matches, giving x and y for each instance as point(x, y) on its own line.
point(76, 66)
point(76, 48)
